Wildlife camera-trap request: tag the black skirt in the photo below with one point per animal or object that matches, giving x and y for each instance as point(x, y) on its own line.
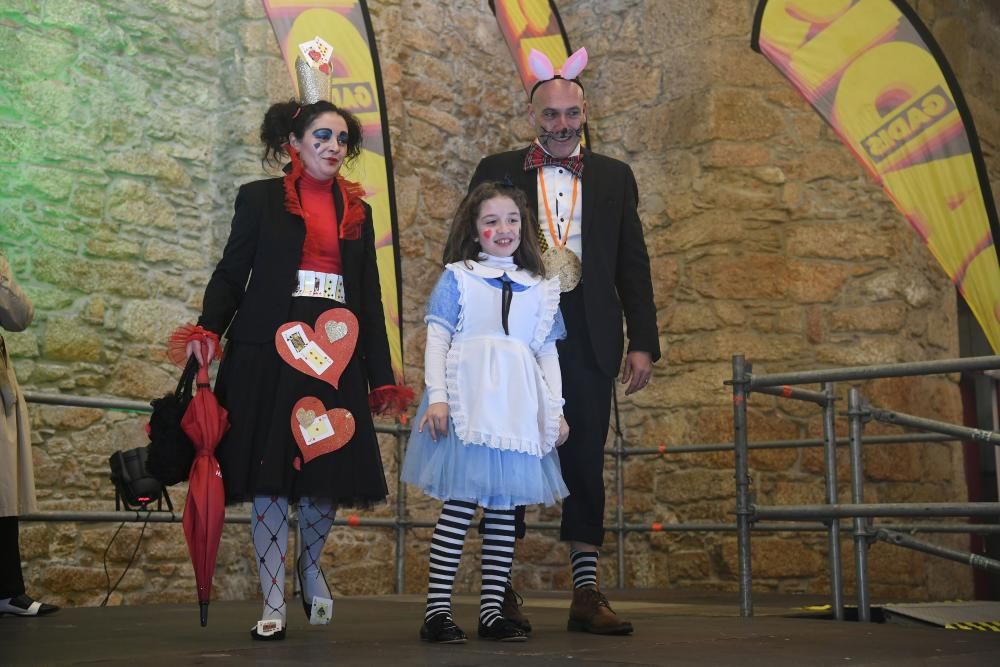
point(258, 453)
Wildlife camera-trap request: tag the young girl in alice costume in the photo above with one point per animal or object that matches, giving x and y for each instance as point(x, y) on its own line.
point(491, 416)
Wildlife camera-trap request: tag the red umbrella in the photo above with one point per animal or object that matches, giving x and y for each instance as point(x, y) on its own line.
point(205, 510)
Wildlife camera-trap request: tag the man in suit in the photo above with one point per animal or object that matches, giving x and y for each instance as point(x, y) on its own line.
point(592, 236)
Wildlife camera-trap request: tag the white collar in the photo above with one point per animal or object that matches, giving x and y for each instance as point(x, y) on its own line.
point(573, 154)
point(490, 266)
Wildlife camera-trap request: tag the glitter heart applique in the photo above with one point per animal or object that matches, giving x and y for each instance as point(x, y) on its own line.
point(335, 330)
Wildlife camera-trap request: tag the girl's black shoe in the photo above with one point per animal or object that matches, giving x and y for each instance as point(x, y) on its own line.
point(441, 629)
point(502, 630)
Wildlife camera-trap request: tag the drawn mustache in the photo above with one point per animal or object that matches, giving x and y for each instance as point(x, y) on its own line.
point(562, 135)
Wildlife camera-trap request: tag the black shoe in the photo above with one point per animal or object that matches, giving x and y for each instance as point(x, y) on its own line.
point(322, 618)
point(268, 631)
point(441, 629)
point(22, 605)
point(502, 630)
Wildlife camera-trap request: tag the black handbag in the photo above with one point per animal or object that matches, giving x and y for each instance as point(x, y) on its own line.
point(171, 452)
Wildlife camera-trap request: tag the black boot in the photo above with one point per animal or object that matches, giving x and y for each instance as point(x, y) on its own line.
point(511, 609)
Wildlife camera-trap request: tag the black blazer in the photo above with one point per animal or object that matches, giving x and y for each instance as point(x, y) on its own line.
point(616, 278)
point(265, 247)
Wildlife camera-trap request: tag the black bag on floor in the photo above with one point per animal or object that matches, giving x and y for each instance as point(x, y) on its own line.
point(171, 452)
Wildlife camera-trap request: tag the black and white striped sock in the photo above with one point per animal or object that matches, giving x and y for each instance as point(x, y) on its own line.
point(446, 552)
point(584, 568)
point(498, 555)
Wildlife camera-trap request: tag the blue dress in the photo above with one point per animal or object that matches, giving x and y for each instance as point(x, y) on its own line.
point(499, 451)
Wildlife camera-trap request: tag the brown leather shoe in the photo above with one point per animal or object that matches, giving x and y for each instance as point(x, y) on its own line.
point(590, 612)
point(511, 609)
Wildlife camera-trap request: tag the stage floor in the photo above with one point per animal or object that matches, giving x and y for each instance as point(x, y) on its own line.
point(671, 628)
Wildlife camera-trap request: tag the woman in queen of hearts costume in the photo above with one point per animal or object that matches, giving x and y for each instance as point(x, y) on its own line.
point(301, 253)
point(491, 416)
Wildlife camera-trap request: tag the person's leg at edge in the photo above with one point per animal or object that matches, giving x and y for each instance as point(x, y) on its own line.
point(13, 598)
point(269, 530)
point(446, 553)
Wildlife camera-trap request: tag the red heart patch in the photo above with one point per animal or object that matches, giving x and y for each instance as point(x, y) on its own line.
point(323, 352)
point(320, 431)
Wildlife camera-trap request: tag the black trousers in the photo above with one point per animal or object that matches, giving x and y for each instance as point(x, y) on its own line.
point(11, 581)
point(587, 391)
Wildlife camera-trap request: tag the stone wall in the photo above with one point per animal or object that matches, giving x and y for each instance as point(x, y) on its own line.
point(123, 146)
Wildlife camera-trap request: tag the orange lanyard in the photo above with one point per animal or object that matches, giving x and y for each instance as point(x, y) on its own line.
point(557, 241)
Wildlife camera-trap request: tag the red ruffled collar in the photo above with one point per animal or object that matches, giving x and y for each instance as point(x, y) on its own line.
point(351, 194)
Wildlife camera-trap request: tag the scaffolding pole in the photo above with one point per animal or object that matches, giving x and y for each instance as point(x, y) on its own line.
point(874, 372)
point(833, 530)
point(971, 559)
point(794, 393)
point(960, 432)
point(860, 510)
point(744, 513)
point(856, 416)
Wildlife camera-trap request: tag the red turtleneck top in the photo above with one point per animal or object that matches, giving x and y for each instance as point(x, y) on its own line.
point(321, 250)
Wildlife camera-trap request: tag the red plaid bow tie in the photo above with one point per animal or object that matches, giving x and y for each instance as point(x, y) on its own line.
point(537, 158)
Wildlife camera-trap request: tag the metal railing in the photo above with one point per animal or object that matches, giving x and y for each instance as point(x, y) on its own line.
point(401, 522)
point(858, 413)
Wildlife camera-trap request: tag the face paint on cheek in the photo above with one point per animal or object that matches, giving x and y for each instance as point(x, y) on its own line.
point(487, 234)
point(317, 145)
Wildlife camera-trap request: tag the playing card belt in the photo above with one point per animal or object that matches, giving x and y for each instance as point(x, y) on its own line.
point(323, 285)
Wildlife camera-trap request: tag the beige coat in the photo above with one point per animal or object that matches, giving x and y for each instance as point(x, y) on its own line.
point(17, 479)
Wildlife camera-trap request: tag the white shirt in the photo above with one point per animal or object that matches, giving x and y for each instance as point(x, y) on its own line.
point(559, 188)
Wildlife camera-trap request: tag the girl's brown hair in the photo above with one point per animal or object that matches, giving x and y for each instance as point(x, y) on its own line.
point(462, 244)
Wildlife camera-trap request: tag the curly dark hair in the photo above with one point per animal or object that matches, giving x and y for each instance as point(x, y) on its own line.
point(462, 244)
point(284, 118)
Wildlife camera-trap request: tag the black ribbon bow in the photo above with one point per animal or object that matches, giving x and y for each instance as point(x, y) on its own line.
point(506, 295)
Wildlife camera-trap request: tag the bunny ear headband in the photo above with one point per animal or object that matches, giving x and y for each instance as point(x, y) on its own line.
point(542, 68)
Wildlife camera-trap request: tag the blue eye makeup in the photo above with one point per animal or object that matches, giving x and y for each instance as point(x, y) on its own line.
point(325, 134)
